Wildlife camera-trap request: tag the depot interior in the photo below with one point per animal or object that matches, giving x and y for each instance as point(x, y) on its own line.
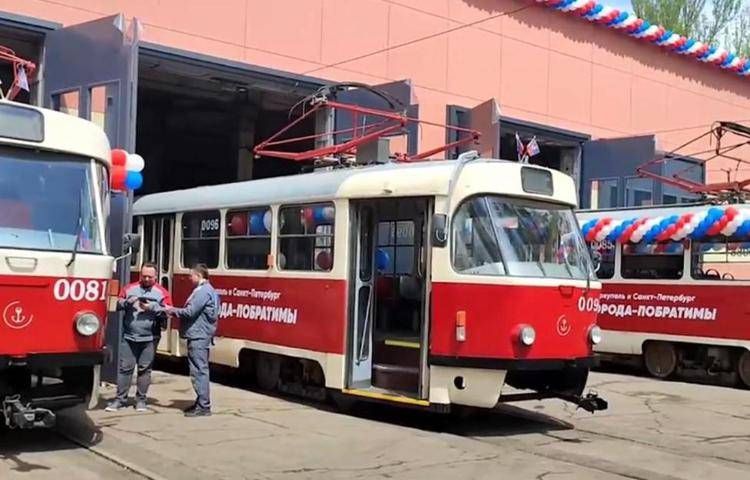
point(197, 124)
point(27, 45)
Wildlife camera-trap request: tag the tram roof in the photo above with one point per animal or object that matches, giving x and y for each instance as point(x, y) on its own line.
point(60, 132)
point(428, 178)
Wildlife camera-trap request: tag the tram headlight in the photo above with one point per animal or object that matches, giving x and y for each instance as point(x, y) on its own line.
point(527, 335)
point(595, 334)
point(87, 324)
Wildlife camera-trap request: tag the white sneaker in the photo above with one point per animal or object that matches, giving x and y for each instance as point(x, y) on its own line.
point(141, 406)
point(113, 406)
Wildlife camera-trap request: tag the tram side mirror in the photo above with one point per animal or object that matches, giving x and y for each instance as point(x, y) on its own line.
point(439, 230)
point(131, 242)
point(596, 259)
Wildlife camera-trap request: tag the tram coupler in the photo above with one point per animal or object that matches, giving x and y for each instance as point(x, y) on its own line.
point(591, 402)
point(18, 415)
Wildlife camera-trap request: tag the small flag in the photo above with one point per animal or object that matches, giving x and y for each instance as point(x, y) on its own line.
point(519, 147)
point(532, 148)
point(21, 79)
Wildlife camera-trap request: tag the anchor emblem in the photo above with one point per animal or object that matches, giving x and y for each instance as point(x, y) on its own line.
point(15, 317)
point(563, 326)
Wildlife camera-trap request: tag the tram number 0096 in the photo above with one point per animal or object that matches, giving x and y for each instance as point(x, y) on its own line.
point(77, 290)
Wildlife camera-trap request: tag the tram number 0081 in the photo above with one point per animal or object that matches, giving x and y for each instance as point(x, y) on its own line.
point(78, 290)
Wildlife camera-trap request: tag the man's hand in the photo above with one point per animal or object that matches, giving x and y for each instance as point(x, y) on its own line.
point(131, 300)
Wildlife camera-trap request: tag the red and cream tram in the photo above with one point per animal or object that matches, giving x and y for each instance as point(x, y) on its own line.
point(432, 284)
point(675, 283)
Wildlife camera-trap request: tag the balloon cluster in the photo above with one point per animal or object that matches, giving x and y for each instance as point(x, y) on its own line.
point(254, 223)
point(126, 170)
point(312, 216)
point(629, 23)
point(712, 222)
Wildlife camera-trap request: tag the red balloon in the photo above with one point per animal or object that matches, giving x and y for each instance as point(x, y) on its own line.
point(117, 178)
point(324, 260)
point(308, 217)
point(238, 224)
point(119, 157)
point(718, 226)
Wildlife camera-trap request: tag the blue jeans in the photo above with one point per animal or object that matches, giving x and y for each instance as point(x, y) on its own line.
point(199, 373)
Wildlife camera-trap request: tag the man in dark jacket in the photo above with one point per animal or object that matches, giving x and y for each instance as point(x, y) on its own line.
point(198, 320)
point(144, 304)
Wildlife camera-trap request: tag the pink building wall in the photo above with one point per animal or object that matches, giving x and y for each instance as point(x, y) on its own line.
point(541, 66)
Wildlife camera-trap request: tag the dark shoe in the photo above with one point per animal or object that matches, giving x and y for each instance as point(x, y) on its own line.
point(190, 408)
point(198, 412)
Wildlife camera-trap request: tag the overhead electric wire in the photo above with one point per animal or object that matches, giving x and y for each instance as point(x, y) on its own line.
point(418, 40)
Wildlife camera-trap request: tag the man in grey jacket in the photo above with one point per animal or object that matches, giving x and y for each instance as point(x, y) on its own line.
point(198, 321)
point(144, 304)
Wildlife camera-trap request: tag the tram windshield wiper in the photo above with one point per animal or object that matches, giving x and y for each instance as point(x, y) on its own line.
point(77, 233)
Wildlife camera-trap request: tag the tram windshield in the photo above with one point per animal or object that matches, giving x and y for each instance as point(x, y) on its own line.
point(494, 235)
point(48, 202)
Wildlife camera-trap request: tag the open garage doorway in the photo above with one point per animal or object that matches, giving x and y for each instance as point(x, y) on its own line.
point(198, 118)
point(25, 37)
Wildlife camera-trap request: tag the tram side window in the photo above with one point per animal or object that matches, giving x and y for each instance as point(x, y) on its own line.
point(653, 261)
point(605, 251)
point(200, 238)
point(306, 237)
point(249, 238)
point(720, 260)
point(396, 239)
point(149, 255)
point(134, 229)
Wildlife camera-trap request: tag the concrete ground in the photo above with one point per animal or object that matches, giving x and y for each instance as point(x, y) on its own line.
point(44, 455)
point(652, 430)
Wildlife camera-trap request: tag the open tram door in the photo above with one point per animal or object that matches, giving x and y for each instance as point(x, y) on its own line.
point(90, 71)
point(389, 298)
point(158, 235)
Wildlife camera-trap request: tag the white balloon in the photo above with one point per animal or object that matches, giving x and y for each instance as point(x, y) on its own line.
point(267, 220)
point(134, 163)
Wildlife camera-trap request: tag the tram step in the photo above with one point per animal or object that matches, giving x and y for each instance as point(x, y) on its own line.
point(395, 352)
point(395, 377)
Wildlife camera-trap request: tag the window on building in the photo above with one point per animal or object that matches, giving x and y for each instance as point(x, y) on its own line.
point(457, 117)
point(306, 237)
point(605, 252)
point(604, 193)
point(720, 260)
point(396, 239)
point(638, 192)
point(249, 238)
point(667, 199)
point(653, 260)
point(200, 238)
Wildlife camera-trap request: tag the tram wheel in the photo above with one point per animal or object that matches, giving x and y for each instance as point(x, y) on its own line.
point(267, 370)
point(743, 368)
point(660, 358)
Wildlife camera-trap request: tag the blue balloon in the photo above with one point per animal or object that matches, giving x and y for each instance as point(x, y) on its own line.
point(257, 227)
point(133, 180)
point(587, 227)
point(382, 260)
point(323, 214)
